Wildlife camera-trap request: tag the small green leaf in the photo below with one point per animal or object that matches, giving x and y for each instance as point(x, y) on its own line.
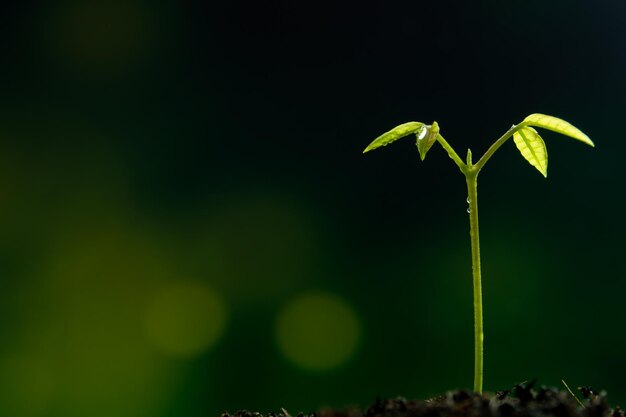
point(426, 137)
point(557, 125)
point(532, 148)
point(394, 134)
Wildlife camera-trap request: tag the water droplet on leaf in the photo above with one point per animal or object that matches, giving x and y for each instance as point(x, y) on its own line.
point(422, 133)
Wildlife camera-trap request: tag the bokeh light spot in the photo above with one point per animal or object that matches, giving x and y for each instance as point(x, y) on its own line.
point(86, 316)
point(317, 331)
point(184, 320)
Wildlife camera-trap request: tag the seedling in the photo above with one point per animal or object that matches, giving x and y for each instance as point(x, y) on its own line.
point(532, 148)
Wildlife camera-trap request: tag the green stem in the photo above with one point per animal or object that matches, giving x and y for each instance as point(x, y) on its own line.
point(496, 145)
point(451, 153)
point(471, 176)
point(472, 192)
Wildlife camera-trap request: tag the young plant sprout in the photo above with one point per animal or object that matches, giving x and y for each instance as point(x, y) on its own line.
point(532, 148)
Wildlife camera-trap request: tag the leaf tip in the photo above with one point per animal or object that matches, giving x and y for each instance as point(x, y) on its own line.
point(586, 140)
point(370, 147)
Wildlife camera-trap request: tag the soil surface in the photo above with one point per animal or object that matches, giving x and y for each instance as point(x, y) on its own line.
point(520, 401)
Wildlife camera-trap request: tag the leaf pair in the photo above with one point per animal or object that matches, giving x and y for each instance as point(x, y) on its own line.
point(426, 136)
point(527, 140)
point(531, 145)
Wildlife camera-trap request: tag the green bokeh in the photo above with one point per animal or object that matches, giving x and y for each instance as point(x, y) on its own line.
point(317, 331)
point(147, 148)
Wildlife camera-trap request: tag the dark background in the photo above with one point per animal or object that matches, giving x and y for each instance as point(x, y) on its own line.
point(187, 223)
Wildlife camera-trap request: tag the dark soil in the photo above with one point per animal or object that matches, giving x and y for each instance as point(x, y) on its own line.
point(520, 401)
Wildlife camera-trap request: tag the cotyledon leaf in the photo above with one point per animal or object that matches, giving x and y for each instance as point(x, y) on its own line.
point(394, 134)
point(557, 125)
point(426, 137)
point(532, 148)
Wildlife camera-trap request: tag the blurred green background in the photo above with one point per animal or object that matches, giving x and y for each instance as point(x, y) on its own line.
point(188, 224)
